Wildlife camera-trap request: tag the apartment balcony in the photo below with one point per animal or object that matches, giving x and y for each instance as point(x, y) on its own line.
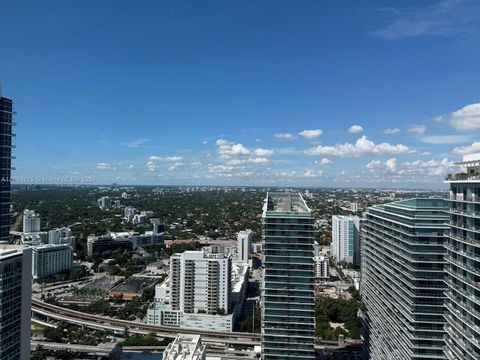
point(462, 177)
point(458, 314)
point(465, 240)
point(454, 328)
point(465, 266)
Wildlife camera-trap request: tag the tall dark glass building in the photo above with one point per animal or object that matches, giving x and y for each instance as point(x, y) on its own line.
point(6, 123)
point(288, 303)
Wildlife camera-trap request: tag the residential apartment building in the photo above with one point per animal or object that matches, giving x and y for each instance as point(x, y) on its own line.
point(463, 263)
point(288, 304)
point(51, 259)
point(61, 236)
point(345, 244)
point(244, 239)
point(204, 282)
point(15, 302)
point(402, 279)
point(322, 268)
point(31, 221)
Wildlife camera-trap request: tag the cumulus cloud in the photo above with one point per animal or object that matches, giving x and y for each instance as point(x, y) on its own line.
point(417, 129)
point(104, 166)
point(355, 129)
point(325, 161)
point(391, 131)
point(263, 152)
point(431, 167)
point(228, 148)
point(311, 134)
point(465, 119)
point(470, 149)
point(284, 136)
point(410, 169)
point(151, 165)
point(362, 147)
point(175, 166)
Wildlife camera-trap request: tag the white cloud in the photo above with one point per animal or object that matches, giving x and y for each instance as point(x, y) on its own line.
point(135, 143)
point(417, 129)
point(466, 118)
point(311, 134)
point(263, 152)
point(431, 167)
point(131, 166)
point(204, 142)
point(391, 131)
point(258, 160)
point(410, 170)
point(391, 164)
point(284, 136)
point(105, 166)
point(470, 149)
point(151, 165)
point(374, 165)
point(362, 147)
point(227, 149)
point(326, 161)
point(166, 159)
point(355, 129)
point(446, 139)
point(175, 166)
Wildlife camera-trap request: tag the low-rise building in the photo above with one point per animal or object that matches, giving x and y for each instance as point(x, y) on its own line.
point(105, 245)
point(185, 347)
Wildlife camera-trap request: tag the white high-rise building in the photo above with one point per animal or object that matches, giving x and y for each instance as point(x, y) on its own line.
point(31, 221)
point(15, 302)
point(353, 207)
point(200, 282)
point(346, 239)
point(124, 195)
point(185, 347)
point(51, 259)
point(61, 236)
point(244, 239)
point(129, 212)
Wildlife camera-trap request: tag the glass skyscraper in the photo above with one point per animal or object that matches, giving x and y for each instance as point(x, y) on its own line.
point(402, 281)
point(15, 302)
point(288, 303)
point(6, 115)
point(463, 258)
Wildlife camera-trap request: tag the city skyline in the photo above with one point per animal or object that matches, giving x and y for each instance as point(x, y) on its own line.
point(265, 94)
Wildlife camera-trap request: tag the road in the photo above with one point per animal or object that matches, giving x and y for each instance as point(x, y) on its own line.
point(116, 325)
point(120, 326)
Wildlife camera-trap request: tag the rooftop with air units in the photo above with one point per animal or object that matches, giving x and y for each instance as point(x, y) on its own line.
point(285, 202)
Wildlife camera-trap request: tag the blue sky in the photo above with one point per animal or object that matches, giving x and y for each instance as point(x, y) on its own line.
point(371, 93)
